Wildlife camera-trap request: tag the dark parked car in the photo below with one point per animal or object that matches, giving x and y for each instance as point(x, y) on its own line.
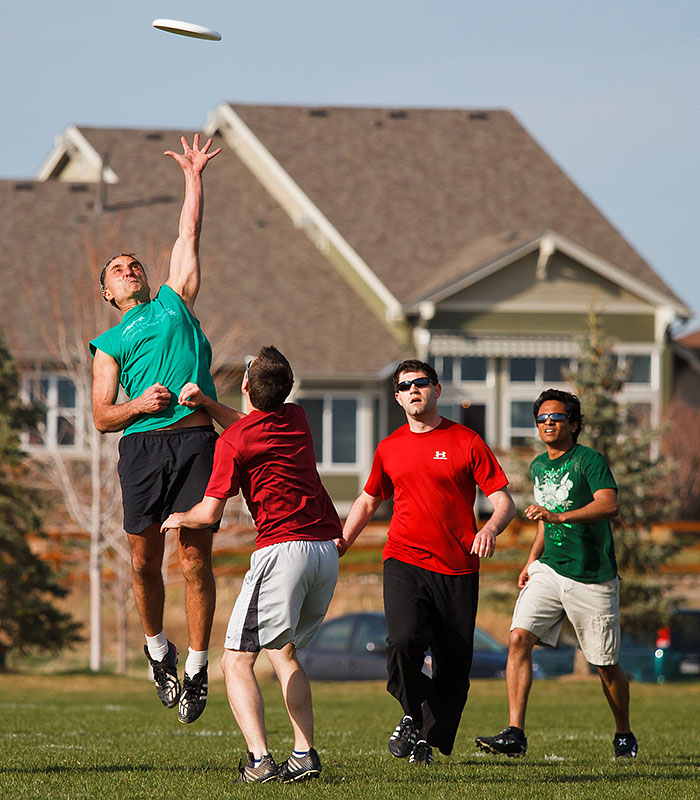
point(353, 647)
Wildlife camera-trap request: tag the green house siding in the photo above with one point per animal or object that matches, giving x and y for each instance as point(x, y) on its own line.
point(622, 327)
point(342, 488)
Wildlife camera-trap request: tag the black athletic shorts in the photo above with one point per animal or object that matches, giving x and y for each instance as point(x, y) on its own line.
point(164, 471)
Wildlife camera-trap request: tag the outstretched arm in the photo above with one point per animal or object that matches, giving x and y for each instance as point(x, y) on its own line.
point(184, 275)
point(192, 396)
point(360, 514)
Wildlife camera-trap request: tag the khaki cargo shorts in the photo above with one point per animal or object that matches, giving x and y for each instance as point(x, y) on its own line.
point(592, 608)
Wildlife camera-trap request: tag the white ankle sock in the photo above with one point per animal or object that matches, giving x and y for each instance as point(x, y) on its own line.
point(157, 646)
point(196, 659)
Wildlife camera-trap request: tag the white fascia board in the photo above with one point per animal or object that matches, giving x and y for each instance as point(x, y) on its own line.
point(303, 213)
point(68, 143)
point(574, 251)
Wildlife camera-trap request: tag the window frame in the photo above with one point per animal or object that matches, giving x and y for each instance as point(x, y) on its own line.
point(54, 412)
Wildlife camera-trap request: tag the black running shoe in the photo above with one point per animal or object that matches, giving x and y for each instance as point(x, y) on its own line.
point(625, 745)
point(422, 754)
point(300, 768)
point(509, 742)
point(193, 697)
point(165, 676)
point(404, 738)
point(265, 772)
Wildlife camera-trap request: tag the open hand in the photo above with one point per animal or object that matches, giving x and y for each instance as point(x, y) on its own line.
point(193, 159)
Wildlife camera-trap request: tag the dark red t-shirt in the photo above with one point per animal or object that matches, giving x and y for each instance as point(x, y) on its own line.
point(270, 458)
point(433, 477)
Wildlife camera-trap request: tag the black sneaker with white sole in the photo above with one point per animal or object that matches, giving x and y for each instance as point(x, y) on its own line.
point(509, 742)
point(193, 696)
point(625, 745)
point(300, 768)
point(165, 676)
point(421, 754)
point(404, 738)
point(265, 771)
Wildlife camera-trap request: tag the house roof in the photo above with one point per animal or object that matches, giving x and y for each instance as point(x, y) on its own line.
point(690, 340)
point(417, 192)
point(262, 278)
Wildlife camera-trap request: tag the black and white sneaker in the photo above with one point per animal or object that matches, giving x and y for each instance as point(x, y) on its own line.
point(193, 697)
point(265, 772)
point(422, 754)
point(165, 676)
point(509, 742)
point(404, 738)
point(625, 745)
point(300, 768)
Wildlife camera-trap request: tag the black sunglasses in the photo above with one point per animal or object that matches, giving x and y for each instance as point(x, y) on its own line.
point(556, 417)
point(404, 386)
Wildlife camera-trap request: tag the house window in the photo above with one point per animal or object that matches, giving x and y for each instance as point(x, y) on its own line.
point(638, 368)
point(523, 370)
point(467, 369)
point(56, 398)
point(333, 420)
point(521, 423)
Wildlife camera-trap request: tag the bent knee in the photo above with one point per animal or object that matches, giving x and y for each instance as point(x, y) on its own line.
point(522, 640)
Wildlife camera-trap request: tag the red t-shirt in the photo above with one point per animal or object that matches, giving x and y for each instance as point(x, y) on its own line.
point(433, 477)
point(270, 458)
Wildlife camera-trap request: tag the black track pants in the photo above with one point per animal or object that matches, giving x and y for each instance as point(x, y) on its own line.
point(428, 610)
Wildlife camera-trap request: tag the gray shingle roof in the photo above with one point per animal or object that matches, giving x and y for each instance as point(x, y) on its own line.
point(411, 189)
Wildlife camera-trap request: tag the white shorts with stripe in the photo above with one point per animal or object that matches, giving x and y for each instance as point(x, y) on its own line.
point(284, 597)
point(592, 608)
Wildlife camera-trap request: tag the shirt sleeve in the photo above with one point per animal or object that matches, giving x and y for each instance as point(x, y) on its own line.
point(597, 473)
point(488, 473)
point(225, 479)
point(379, 484)
point(108, 342)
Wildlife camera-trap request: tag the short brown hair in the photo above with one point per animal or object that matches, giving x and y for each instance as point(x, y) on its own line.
point(270, 379)
point(414, 365)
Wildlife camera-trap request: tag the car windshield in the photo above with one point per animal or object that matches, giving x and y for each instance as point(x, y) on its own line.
point(369, 636)
point(484, 641)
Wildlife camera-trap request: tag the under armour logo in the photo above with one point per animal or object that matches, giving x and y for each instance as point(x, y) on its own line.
point(440, 455)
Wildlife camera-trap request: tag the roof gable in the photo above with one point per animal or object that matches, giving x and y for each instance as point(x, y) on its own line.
point(410, 189)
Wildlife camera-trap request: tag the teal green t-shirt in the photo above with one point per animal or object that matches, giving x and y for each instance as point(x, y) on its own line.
point(160, 341)
point(582, 551)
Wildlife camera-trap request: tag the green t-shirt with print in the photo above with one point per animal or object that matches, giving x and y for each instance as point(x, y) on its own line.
point(582, 551)
point(160, 341)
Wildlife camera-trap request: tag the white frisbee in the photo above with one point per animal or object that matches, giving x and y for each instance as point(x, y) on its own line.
point(187, 29)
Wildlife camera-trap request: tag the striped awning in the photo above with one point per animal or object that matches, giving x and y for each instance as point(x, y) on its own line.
point(506, 346)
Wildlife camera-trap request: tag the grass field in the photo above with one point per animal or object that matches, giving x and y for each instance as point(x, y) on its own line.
point(66, 737)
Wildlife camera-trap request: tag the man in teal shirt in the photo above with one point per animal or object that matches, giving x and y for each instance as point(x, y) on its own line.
point(166, 452)
point(571, 571)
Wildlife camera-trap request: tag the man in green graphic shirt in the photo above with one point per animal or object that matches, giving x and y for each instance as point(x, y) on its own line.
point(571, 571)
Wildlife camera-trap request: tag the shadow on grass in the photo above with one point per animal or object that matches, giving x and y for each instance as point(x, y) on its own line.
point(57, 769)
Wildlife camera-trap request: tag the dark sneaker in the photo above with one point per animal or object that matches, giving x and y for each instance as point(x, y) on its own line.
point(266, 770)
point(300, 768)
point(422, 753)
point(165, 676)
point(403, 739)
point(509, 742)
point(625, 745)
point(193, 697)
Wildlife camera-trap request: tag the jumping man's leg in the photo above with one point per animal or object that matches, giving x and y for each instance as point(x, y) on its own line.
point(519, 674)
point(194, 550)
point(297, 694)
point(245, 698)
point(149, 592)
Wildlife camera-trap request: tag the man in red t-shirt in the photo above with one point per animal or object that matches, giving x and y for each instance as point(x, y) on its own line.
point(432, 467)
point(269, 456)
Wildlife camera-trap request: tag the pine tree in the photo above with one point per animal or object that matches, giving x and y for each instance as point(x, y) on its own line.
point(641, 476)
point(28, 617)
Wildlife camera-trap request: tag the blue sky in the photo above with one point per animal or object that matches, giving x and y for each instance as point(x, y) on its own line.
point(610, 89)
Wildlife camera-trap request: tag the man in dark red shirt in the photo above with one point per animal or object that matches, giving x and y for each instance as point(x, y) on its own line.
point(268, 455)
point(432, 467)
